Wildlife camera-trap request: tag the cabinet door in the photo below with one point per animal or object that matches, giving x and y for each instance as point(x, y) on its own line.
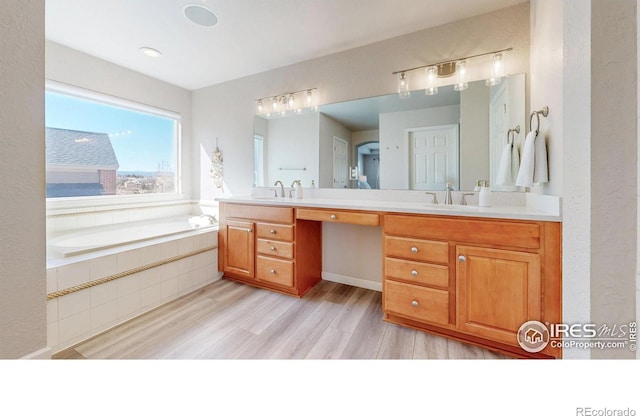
point(497, 291)
point(240, 249)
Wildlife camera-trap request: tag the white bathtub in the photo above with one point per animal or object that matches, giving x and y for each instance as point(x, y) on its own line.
point(103, 237)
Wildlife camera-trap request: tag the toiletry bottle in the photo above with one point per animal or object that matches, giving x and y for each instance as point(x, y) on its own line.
point(297, 193)
point(485, 195)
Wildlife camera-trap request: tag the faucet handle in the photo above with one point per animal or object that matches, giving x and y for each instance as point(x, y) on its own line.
point(463, 200)
point(435, 198)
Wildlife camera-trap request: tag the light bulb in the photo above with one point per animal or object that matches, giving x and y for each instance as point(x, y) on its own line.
point(497, 70)
point(462, 77)
point(291, 102)
point(432, 81)
point(403, 86)
point(275, 104)
point(259, 106)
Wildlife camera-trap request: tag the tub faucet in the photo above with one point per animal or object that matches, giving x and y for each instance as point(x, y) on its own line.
point(281, 188)
point(212, 219)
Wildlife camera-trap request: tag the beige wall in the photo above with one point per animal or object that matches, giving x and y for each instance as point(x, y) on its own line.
point(474, 136)
point(22, 180)
point(614, 165)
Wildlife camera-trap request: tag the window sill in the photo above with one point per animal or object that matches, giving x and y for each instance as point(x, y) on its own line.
point(75, 205)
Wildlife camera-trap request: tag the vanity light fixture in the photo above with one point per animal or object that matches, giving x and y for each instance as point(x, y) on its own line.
point(497, 70)
point(288, 103)
point(460, 67)
point(462, 76)
point(403, 85)
point(432, 81)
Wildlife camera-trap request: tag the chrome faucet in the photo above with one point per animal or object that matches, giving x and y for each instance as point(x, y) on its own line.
point(447, 198)
point(435, 198)
point(463, 199)
point(281, 188)
point(212, 219)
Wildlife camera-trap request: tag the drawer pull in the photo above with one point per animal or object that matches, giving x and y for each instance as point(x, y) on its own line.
point(414, 249)
point(415, 303)
point(414, 272)
point(333, 216)
point(272, 231)
point(272, 248)
point(272, 271)
point(462, 259)
point(249, 230)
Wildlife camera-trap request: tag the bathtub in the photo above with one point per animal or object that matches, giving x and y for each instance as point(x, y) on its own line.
point(109, 236)
point(100, 277)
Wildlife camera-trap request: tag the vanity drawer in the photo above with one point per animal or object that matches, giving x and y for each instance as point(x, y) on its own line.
point(274, 231)
point(419, 250)
point(416, 302)
point(274, 271)
point(349, 217)
point(415, 272)
point(259, 213)
point(275, 248)
point(521, 234)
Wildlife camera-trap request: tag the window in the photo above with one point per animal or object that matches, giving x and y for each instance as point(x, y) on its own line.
point(98, 145)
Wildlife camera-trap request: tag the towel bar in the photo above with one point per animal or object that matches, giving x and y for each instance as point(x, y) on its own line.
point(544, 112)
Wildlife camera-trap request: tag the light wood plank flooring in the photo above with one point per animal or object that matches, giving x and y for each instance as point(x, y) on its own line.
point(227, 320)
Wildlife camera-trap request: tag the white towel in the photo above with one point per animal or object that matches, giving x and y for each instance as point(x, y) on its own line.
point(533, 165)
point(515, 162)
point(540, 170)
point(504, 177)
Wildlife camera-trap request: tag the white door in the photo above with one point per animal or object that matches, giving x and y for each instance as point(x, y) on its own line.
point(340, 163)
point(434, 157)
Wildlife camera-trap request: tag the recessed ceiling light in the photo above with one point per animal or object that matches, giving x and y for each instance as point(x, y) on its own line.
point(154, 53)
point(200, 15)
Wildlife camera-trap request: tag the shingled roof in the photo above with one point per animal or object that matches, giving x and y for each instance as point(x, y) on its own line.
point(80, 148)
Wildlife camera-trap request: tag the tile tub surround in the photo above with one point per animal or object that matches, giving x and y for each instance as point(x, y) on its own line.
point(91, 293)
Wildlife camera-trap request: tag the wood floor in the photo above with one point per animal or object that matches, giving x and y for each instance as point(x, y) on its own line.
point(227, 320)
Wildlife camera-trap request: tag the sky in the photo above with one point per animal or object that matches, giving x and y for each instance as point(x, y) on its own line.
point(140, 141)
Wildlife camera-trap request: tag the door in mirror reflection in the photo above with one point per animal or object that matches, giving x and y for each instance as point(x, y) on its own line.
point(434, 157)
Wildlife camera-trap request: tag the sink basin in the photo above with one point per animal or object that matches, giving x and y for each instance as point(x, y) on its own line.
point(453, 207)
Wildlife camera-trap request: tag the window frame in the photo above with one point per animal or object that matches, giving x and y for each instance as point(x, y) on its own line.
point(118, 200)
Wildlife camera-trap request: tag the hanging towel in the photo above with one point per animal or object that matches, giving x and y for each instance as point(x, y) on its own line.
point(515, 162)
point(540, 170)
point(527, 162)
point(504, 177)
point(533, 165)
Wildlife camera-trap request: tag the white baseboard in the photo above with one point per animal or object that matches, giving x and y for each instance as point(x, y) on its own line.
point(352, 281)
point(41, 354)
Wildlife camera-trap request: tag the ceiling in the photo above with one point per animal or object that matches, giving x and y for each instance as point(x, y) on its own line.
point(251, 36)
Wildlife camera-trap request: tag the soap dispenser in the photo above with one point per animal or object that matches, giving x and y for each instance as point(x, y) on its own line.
point(297, 190)
point(485, 195)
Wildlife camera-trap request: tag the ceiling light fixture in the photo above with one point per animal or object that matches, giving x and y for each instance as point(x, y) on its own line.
point(287, 103)
point(154, 53)
point(200, 15)
point(459, 67)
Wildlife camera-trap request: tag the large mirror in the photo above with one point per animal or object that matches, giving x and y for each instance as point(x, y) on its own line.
point(387, 142)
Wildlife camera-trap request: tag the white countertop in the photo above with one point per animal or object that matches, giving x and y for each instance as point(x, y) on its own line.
point(504, 212)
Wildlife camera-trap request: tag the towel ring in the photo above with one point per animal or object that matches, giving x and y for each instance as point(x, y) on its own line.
point(512, 137)
point(544, 112)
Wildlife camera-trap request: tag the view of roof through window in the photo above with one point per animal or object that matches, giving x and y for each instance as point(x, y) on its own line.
point(95, 149)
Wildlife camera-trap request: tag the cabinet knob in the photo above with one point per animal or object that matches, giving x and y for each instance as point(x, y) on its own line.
point(272, 248)
point(272, 231)
point(272, 271)
point(249, 230)
point(414, 272)
point(333, 216)
point(462, 259)
point(414, 249)
point(415, 303)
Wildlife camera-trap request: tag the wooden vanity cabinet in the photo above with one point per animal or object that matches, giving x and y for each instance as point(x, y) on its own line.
point(265, 246)
point(489, 276)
